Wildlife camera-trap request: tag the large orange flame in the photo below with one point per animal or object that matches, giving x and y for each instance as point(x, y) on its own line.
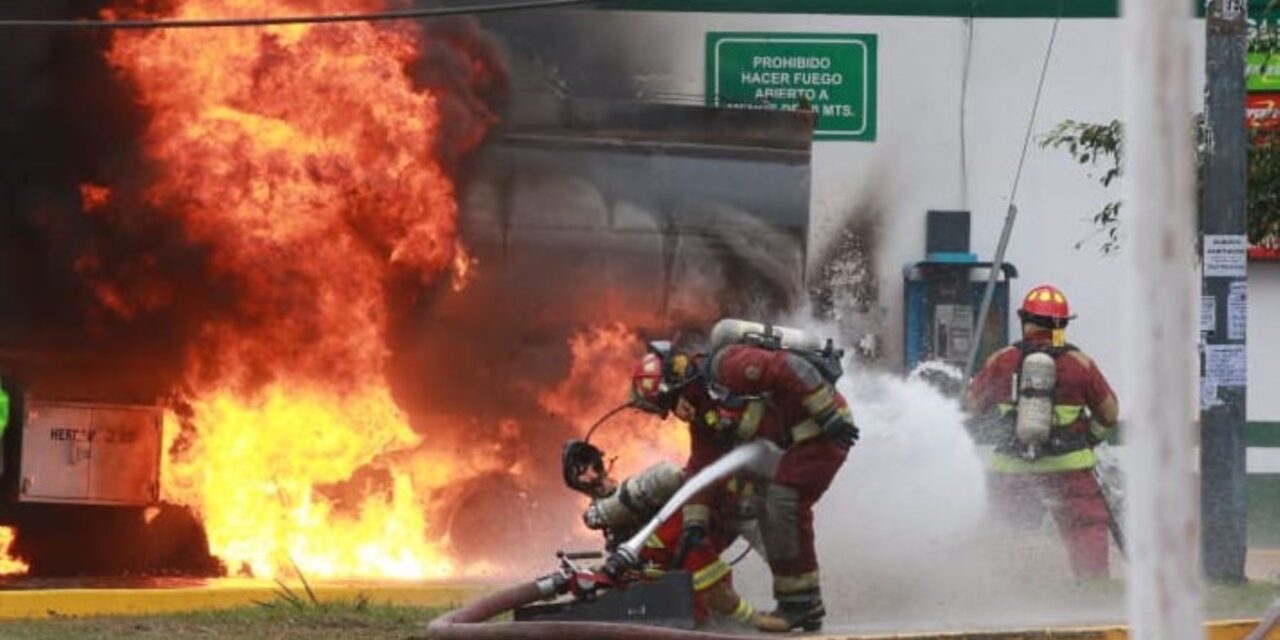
point(8, 564)
point(304, 158)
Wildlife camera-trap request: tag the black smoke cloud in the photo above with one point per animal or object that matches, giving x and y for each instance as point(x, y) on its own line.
point(68, 121)
point(121, 290)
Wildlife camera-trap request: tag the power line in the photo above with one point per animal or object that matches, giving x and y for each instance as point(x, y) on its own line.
point(207, 23)
point(997, 263)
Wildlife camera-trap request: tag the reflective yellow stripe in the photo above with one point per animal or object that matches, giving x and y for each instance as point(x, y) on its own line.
point(1065, 414)
point(743, 611)
point(805, 431)
point(1074, 461)
point(750, 421)
point(709, 575)
point(1099, 430)
point(654, 542)
point(820, 400)
point(696, 513)
point(653, 572)
point(794, 584)
point(809, 429)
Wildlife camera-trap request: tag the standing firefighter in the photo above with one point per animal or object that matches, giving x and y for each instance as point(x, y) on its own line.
point(1052, 406)
point(620, 509)
point(762, 382)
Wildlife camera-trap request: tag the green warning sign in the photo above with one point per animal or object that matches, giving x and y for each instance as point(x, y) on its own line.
point(834, 75)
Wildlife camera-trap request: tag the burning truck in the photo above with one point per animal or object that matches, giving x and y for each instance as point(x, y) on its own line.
point(345, 295)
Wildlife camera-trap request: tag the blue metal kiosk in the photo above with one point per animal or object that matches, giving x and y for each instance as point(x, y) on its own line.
point(942, 294)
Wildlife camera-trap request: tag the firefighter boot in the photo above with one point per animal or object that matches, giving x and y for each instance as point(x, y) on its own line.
point(796, 611)
point(770, 623)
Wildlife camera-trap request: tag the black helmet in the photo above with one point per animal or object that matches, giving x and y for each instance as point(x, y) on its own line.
point(577, 457)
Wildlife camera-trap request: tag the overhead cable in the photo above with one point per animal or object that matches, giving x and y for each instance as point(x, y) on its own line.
point(210, 23)
point(997, 263)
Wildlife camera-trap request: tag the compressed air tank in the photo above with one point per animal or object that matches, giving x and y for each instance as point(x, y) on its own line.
point(638, 496)
point(1038, 377)
point(732, 330)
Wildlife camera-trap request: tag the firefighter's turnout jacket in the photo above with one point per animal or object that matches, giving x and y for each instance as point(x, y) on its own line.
point(1059, 476)
point(754, 392)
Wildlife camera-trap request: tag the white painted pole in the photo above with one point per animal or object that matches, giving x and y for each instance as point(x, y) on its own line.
point(1163, 495)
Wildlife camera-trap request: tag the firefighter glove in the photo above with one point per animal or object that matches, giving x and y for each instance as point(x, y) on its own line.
point(1097, 433)
point(837, 422)
point(594, 517)
point(693, 535)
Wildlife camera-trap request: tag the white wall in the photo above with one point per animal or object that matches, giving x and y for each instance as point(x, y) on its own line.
point(1264, 340)
point(914, 164)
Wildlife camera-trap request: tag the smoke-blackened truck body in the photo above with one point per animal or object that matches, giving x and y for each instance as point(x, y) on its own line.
point(81, 479)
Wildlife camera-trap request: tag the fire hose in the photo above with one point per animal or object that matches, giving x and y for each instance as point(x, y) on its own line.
point(471, 622)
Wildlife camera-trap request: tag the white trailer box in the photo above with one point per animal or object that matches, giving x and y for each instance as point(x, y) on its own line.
point(89, 453)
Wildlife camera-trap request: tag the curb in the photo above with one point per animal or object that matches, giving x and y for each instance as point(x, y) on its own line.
point(48, 603)
point(1215, 630)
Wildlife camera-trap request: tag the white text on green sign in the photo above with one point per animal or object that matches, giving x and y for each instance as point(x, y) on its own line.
point(832, 75)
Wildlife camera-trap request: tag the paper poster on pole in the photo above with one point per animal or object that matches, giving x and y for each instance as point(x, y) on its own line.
point(1208, 314)
point(1208, 394)
point(1224, 364)
point(1226, 256)
point(1237, 310)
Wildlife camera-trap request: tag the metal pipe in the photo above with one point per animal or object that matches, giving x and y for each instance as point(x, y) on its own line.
point(984, 309)
point(1269, 621)
point(997, 264)
point(1162, 500)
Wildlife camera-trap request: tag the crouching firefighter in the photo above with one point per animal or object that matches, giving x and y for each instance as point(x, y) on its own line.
point(776, 383)
point(1051, 406)
point(620, 509)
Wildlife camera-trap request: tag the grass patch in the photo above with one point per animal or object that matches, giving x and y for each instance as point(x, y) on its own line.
point(278, 621)
point(1244, 601)
point(293, 615)
point(1221, 602)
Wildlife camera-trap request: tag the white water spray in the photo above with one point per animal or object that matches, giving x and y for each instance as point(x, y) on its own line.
point(906, 539)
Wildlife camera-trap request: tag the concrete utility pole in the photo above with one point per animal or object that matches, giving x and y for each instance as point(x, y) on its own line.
point(1159, 194)
point(1224, 295)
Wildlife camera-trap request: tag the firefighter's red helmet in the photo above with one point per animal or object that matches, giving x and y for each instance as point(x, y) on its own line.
point(659, 378)
point(1046, 301)
point(647, 388)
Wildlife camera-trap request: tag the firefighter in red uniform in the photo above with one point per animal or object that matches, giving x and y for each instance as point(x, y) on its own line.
point(756, 389)
point(620, 509)
point(1051, 405)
